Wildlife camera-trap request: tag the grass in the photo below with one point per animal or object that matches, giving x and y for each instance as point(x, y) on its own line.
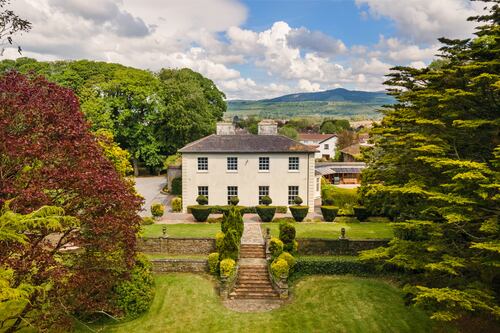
point(332, 230)
point(188, 303)
point(202, 230)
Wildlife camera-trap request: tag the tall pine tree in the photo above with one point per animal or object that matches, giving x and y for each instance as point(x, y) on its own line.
point(435, 169)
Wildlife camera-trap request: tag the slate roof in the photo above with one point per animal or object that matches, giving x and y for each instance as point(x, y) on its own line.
point(340, 167)
point(315, 137)
point(246, 143)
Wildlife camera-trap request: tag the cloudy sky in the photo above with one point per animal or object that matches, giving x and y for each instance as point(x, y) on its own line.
point(252, 49)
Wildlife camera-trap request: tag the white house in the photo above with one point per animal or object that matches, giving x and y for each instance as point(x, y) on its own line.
point(326, 144)
point(249, 166)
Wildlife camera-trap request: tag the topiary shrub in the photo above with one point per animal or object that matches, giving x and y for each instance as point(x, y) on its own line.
point(157, 210)
point(147, 220)
point(233, 220)
point(176, 186)
point(176, 204)
point(134, 296)
point(230, 245)
point(298, 201)
point(266, 213)
point(266, 200)
point(213, 263)
point(227, 267)
point(202, 200)
point(287, 236)
point(275, 247)
point(200, 213)
point(219, 238)
point(280, 268)
point(361, 212)
point(299, 213)
point(329, 212)
point(291, 261)
point(234, 200)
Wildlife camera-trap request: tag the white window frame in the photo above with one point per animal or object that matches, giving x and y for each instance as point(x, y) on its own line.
point(203, 163)
point(293, 192)
point(263, 191)
point(293, 163)
point(232, 191)
point(203, 190)
point(232, 164)
point(263, 162)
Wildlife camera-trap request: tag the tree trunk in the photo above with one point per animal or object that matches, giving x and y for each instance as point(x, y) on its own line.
point(135, 164)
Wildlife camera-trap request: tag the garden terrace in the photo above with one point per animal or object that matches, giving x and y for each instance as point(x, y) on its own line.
point(202, 230)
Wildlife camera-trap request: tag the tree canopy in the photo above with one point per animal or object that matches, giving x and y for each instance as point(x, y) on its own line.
point(435, 170)
point(150, 115)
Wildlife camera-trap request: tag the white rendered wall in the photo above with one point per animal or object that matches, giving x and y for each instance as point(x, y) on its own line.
point(248, 178)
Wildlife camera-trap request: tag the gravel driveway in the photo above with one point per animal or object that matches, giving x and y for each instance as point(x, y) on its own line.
point(150, 189)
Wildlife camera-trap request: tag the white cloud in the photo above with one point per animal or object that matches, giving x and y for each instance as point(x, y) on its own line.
point(306, 85)
point(426, 20)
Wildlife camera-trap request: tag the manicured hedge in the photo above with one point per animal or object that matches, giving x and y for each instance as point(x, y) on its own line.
point(361, 212)
point(266, 213)
point(329, 212)
point(299, 213)
point(176, 186)
point(332, 265)
point(200, 213)
point(243, 209)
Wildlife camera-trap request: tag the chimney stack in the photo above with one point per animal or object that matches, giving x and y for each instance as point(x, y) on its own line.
point(225, 128)
point(268, 127)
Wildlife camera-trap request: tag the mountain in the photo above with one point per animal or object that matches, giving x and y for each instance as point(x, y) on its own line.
point(338, 103)
point(339, 94)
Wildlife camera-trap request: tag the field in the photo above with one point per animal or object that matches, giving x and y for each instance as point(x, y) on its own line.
point(188, 303)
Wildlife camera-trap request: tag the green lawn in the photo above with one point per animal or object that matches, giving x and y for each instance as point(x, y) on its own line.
point(332, 230)
point(182, 230)
point(188, 303)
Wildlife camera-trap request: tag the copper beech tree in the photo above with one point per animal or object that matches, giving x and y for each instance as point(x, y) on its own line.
point(49, 157)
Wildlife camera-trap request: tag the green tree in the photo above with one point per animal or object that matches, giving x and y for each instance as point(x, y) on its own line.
point(289, 131)
point(435, 170)
point(333, 126)
point(118, 156)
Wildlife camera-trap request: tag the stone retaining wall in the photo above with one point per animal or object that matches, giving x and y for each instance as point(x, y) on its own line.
point(176, 245)
point(180, 265)
point(321, 246)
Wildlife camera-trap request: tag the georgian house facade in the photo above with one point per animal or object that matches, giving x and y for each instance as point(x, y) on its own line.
point(249, 166)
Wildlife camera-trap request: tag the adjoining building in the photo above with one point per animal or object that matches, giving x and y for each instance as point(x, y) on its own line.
point(341, 172)
point(249, 166)
point(326, 144)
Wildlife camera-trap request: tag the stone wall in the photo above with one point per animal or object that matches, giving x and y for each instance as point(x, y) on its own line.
point(321, 246)
point(176, 245)
point(180, 265)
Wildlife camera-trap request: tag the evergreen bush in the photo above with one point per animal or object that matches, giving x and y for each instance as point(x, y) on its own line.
point(329, 212)
point(202, 200)
point(361, 213)
point(266, 213)
point(233, 220)
point(299, 213)
point(200, 213)
point(213, 263)
point(275, 247)
point(219, 238)
point(298, 201)
point(176, 204)
point(266, 200)
point(287, 236)
point(290, 260)
point(227, 267)
point(234, 200)
point(332, 266)
point(230, 245)
point(176, 186)
point(280, 268)
point(157, 210)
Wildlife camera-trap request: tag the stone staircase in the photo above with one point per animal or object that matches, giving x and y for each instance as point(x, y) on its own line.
point(253, 279)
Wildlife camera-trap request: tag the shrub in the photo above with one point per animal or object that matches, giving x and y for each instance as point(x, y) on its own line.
point(213, 262)
point(266, 200)
point(202, 200)
point(227, 267)
point(332, 265)
point(329, 212)
point(287, 236)
point(340, 197)
point(275, 247)
point(219, 238)
point(134, 296)
point(176, 186)
point(299, 213)
point(148, 220)
point(327, 202)
point(234, 200)
point(176, 204)
point(298, 200)
point(290, 260)
point(279, 268)
point(266, 213)
point(233, 220)
point(281, 209)
point(230, 245)
point(361, 212)
point(157, 210)
point(200, 213)
point(214, 220)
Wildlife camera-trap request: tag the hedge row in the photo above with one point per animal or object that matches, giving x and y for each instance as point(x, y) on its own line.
point(243, 209)
point(332, 266)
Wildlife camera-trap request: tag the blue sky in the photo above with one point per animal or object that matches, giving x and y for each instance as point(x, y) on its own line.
point(252, 49)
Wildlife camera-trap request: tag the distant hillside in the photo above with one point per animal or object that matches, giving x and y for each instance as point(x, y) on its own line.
point(338, 103)
point(339, 95)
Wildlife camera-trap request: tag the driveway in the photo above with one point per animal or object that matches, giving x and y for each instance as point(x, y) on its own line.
point(150, 189)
